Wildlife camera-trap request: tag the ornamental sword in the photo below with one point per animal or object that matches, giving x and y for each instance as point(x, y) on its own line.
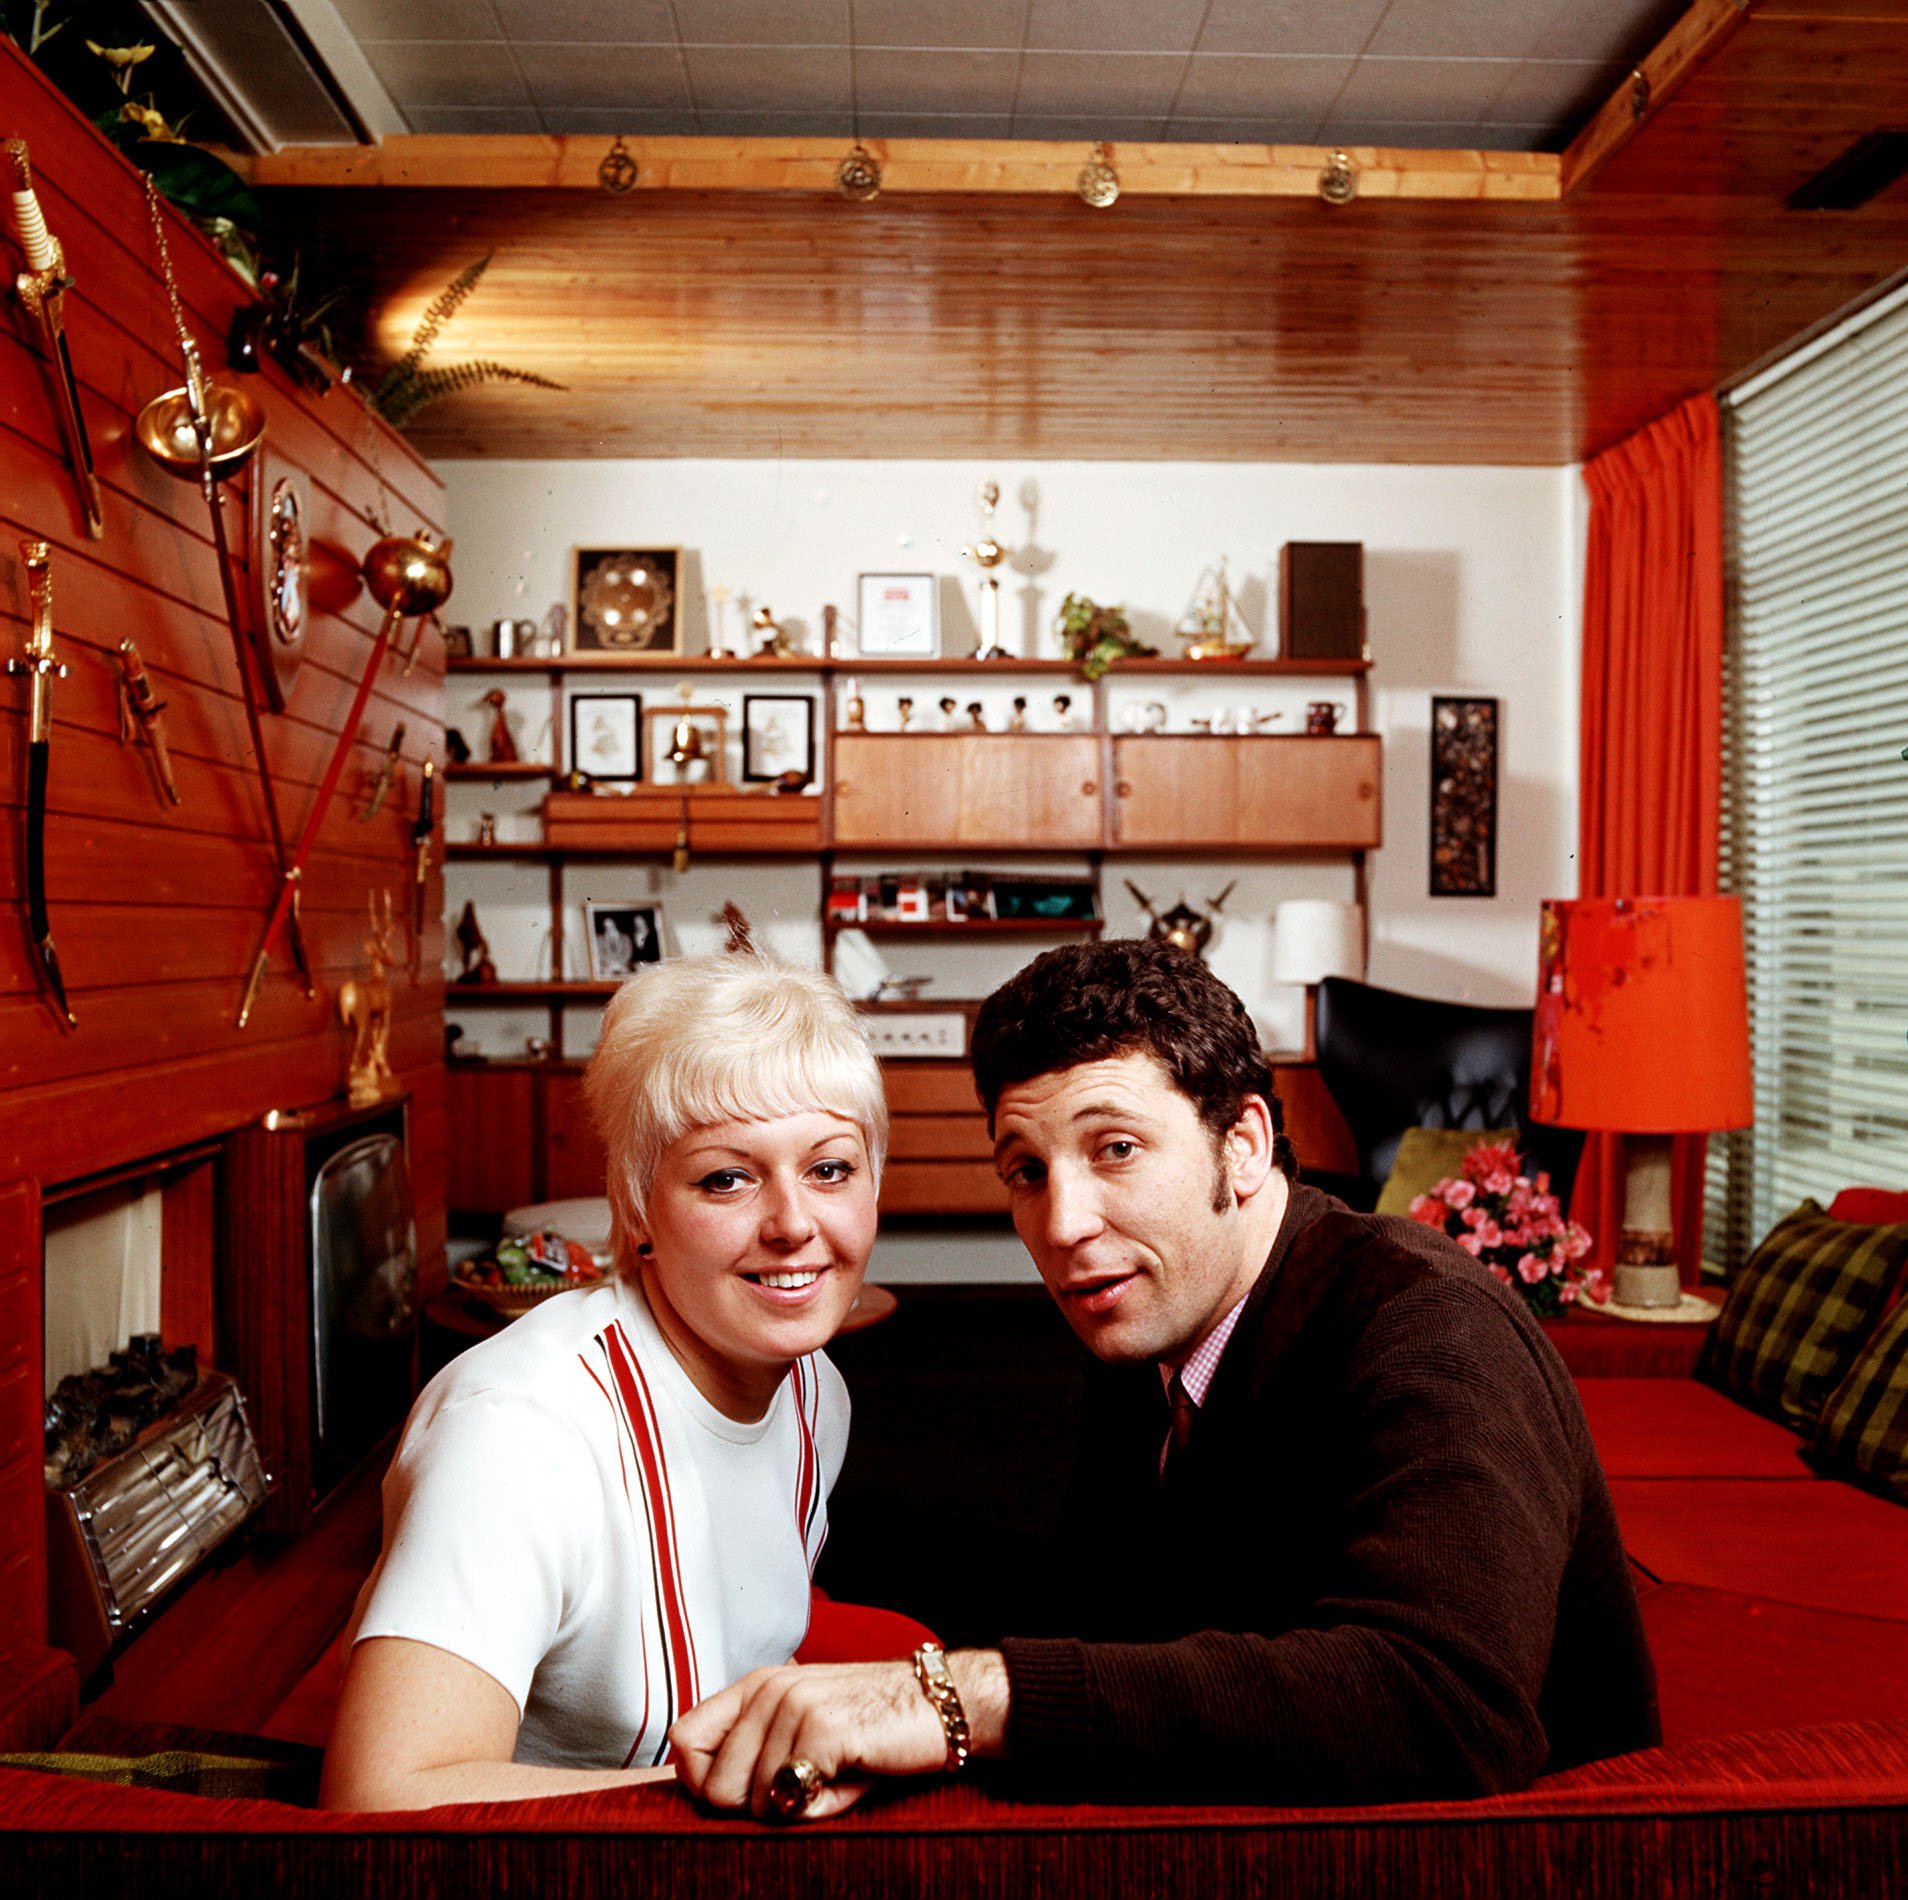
point(142, 715)
point(42, 287)
point(421, 860)
point(44, 670)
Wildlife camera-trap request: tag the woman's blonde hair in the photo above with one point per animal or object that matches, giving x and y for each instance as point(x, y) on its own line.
point(707, 1039)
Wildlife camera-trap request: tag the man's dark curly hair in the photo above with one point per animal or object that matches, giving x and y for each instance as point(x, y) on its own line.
point(1088, 1001)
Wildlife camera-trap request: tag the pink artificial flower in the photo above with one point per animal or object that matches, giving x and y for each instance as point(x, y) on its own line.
point(1576, 1241)
point(1457, 1194)
point(1490, 1234)
point(1567, 1293)
point(1471, 1245)
point(1530, 1269)
point(1501, 1272)
point(1499, 1181)
point(1428, 1209)
point(1475, 1216)
point(1490, 1160)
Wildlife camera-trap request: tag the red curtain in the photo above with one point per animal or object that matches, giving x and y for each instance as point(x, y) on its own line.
point(1651, 741)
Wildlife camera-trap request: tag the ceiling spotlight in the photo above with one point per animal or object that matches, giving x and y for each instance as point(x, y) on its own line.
point(1099, 183)
point(1338, 182)
point(617, 173)
point(859, 175)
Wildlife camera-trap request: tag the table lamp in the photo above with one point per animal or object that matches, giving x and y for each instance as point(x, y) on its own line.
point(1313, 938)
point(1642, 1029)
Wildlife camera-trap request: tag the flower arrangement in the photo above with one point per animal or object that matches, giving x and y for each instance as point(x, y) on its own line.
point(1515, 1226)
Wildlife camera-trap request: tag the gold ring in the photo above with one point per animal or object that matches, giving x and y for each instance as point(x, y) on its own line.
point(797, 1782)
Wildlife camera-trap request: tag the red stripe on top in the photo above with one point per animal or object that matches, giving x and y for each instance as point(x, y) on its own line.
point(622, 1468)
point(802, 1376)
point(649, 1458)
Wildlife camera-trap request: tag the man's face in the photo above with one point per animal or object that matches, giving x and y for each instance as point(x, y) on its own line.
point(1112, 1181)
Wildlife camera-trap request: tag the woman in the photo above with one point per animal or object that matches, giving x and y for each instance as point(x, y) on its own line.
point(611, 1510)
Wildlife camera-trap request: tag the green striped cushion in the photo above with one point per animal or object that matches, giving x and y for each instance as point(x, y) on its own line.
point(1798, 1312)
point(1863, 1432)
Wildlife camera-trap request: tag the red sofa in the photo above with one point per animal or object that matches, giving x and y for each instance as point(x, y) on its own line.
point(1777, 1614)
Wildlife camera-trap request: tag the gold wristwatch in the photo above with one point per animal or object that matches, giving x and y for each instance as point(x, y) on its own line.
point(931, 1672)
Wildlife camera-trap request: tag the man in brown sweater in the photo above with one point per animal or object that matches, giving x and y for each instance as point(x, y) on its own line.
point(1352, 1543)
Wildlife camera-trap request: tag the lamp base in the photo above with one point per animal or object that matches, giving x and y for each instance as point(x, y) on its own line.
point(1646, 1272)
point(1646, 1286)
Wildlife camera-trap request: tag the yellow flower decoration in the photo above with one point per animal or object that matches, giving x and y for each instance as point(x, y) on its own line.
point(118, 57)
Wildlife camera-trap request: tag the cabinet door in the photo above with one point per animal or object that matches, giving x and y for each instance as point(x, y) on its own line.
point(490, 1138)
point(1174, 791)
point(1309, 793)
point(574, 1163)
point(929, 791)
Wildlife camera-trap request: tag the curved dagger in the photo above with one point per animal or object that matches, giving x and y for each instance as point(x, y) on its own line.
point(43, 669)
point(42, 286)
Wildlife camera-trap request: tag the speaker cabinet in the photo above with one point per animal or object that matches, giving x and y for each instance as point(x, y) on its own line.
point(1322, 600)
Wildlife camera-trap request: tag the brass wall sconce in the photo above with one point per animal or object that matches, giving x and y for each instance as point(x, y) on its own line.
point(1338, 182)
point(1098, 183)
point(617, 173)
point(858, 178)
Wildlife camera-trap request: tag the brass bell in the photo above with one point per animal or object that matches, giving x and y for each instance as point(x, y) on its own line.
point(236, 419)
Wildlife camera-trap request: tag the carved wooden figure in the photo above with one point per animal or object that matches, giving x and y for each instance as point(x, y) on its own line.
point(365, 1009)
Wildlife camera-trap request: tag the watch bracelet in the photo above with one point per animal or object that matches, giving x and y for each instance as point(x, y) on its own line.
point(937, 1684)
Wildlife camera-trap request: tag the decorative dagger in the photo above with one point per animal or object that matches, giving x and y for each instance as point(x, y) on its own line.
point(42, 286)
point(421, 859)
point(44, 670)
point(387, 771)
point(142, 715)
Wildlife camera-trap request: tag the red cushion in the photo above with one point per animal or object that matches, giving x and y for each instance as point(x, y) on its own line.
point(857, 1632)
point(1813, 1543)
point(1730, 1664)
point(1872, 1207)
point(1675, 1428)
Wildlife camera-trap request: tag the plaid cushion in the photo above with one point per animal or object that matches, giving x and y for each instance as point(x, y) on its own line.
point(1863, 1433)
point(1797, 1313)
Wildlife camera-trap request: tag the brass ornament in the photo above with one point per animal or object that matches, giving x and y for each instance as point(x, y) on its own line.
point(617, 173)
point(858, 177)
point(624, 600)
point(1338, 182)
point(1098, 183)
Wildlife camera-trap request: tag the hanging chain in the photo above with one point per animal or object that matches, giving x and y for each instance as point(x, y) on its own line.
point(194, 372)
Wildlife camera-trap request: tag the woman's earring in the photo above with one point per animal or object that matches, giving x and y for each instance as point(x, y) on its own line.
point(644, 1249)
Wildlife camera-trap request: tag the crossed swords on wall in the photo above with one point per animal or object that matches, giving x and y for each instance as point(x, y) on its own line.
point(407, 575)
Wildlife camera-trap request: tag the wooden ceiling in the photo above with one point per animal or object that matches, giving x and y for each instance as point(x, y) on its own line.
point(1514, 309)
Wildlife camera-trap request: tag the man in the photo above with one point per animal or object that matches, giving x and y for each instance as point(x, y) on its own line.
point(1364, 1551)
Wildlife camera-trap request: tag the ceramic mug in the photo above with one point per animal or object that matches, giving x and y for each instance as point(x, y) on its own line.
point(1322, 716)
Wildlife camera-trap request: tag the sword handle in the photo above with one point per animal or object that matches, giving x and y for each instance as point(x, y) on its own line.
point(29, 225)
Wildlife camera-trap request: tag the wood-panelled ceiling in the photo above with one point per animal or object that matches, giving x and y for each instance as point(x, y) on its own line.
point(1199, 318)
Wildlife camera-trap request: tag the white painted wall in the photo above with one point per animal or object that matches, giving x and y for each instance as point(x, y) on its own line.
point(1472, 585)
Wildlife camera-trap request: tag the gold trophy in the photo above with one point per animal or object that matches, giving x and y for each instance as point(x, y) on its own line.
point(987, 554)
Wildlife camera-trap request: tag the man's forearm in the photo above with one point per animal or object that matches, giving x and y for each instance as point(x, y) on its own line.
point(980, 1675)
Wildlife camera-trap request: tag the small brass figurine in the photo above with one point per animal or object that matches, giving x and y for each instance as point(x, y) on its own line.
point(776, 642)
point(1182, 926)
point(365, 1009)
point(503, 748)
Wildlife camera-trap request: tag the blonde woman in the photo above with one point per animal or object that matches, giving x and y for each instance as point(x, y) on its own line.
point(612, 1509)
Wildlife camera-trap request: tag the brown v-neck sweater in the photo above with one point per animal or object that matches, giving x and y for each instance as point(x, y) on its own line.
point(1385, 1565)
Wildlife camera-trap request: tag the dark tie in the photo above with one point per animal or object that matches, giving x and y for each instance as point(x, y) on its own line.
point(1185, 1412)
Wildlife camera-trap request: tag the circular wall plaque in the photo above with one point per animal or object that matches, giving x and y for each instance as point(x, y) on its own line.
point(279, 554)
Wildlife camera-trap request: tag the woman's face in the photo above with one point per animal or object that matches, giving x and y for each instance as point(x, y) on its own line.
point(759, 1232)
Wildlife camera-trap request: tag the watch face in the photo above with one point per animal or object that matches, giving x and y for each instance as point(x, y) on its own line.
point(281, 554)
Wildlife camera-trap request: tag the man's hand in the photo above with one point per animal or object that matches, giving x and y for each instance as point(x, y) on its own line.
point(854, 1721)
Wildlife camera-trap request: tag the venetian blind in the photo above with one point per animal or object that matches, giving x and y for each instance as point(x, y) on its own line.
point(1815, 817)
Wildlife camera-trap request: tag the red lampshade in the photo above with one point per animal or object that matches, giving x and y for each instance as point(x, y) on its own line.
point(1642, 1016)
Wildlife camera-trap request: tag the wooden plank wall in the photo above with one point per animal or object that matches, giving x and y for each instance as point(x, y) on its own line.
point(156, 911)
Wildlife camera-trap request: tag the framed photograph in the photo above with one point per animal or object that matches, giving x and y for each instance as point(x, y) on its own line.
point(1463, 797)
point(625, 600)
point(778, 736)
point(899, 617)
point(623, 937)
point(970, 898)
point(606, 736)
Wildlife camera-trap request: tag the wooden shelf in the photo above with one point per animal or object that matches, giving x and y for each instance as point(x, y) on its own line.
point(984, 927)
point(517, 768)
point(871, 667)
point(458, 994)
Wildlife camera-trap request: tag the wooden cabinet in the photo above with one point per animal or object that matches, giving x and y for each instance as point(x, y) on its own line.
point(998, 791)
point(1261, 793)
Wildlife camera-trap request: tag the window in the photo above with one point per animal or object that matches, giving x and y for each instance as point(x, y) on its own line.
point(1815, 799)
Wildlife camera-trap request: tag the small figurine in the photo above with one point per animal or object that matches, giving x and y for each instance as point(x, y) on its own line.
point(487, 828)
point(457, 746)
point(857, 709)
point(831, 641)
point(905, 707)
point(719, 600)
point(475, 949)
point(949, 713)
point(1017, 722)
point(1182, 926)
point(776, 643)
point(976, 716)
point(503, 748)
point(1065, 719)
point(365, 1009)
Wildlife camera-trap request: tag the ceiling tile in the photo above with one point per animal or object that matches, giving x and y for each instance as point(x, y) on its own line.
point(1290, 26)
point(1519, 138)
point(417, 20)
point(1120, 85)
point(809, 80)
point(944, 125)
point(1228, 85)
point(763, 22)
point(476, 119)
point(902, 80)
point(1564, 94)
point(595, 22)
point(1621, 31)
point(422, 73)
point(604, 76)
point(1271, 129)
point(1469, 29)
point(776, 125)
point(1437, 91)
point(629, 121)
point(1095, 26)
point(995, 23)
point(1090, 131)
point(1453, 135)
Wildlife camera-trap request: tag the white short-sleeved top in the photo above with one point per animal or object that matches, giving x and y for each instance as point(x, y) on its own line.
point(567, 1512)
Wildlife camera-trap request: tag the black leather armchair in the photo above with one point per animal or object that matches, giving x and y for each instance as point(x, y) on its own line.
point(1394, 1062)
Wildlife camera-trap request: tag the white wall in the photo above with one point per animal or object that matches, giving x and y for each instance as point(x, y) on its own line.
point(1472, 585)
